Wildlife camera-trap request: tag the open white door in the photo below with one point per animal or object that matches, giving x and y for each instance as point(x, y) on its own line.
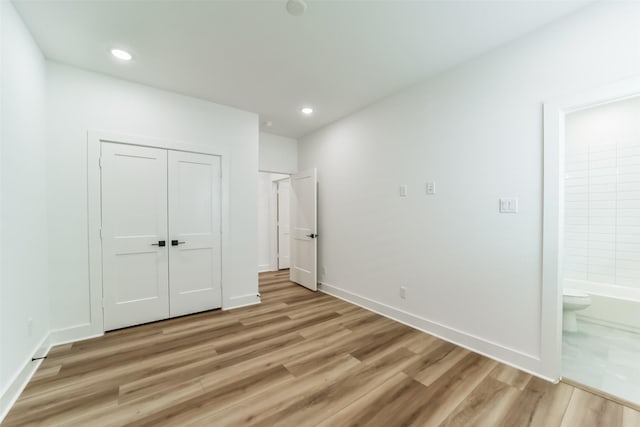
point(303, 229)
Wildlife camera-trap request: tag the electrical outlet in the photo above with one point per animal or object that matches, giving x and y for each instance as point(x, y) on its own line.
point(403, 292)
point(508, 205)
point(404, 189)
point(323, 271)
point(30, 326)
point(431, 188)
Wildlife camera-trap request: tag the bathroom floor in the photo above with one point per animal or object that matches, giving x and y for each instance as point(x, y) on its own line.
point(604, 358)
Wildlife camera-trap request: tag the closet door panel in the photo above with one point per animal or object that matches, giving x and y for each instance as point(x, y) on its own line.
point(194, 230)
point(134, 225)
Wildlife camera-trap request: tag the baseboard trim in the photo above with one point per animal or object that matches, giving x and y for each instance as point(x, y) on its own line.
point(508, 356)
point(21, 379)
point(266, 268)
point(80, 332)
point(52, 339)
point(241, 301)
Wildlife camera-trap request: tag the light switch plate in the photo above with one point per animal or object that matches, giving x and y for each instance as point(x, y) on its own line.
point(403, 190)
point(508, 205)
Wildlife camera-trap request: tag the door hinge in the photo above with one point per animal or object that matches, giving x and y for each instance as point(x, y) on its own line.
point(100, 233)
point(100, 162)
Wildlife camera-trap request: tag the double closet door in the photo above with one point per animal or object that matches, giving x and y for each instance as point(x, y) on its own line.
point(161, 245)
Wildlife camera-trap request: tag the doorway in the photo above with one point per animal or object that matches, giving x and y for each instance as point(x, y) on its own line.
point(601, 268)
point(591, 276)
point(273, 221)
point(287, 225)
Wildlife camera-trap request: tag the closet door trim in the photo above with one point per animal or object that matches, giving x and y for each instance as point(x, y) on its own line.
point(95, 324)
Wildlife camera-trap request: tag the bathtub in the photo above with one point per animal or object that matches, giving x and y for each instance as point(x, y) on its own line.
point(611, 305)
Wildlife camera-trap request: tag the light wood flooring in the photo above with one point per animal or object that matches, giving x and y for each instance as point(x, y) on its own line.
point(298, 359)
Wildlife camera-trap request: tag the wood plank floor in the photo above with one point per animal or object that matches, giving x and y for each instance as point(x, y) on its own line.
point(298, 359)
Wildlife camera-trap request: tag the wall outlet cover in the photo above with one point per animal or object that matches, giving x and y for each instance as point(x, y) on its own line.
point(508, 205)
point(431, 188)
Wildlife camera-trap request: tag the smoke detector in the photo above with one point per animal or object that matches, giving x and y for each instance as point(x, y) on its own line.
point(296, 7)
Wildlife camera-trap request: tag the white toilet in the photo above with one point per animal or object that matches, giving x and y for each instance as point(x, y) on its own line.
point(572, 301)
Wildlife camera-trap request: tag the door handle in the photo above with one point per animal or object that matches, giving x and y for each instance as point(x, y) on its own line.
point(313, 236)
point(176, 243)
point(160, 243)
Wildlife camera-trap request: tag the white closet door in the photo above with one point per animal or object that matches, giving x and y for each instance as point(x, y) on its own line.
point(134, 227)
point(194, 230)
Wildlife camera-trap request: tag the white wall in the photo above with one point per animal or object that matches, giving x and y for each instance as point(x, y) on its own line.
point(278, 153)
point(23, 219)
point(79, 101)
point(473, 275)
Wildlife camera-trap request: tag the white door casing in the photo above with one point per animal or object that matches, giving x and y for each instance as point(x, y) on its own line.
point(553, 210)
point(194, 232)
point(284, 235)
point(94, 324)
point(161, 215)
point(303, 196)
point(135, 264)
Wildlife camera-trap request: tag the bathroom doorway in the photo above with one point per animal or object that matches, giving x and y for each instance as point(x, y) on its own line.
point(601, 271)
point(597, 214)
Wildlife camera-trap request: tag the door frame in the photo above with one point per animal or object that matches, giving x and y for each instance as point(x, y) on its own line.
point(273, 220)
point(555, 112)
point(94, 211)
point(276, 219)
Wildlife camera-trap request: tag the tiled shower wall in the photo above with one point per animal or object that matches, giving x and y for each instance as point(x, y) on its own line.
point(602, 194)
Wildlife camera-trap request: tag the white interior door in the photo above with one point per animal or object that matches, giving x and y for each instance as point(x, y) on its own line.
point(284, 234)
point(194, 232)
point(303, 229)
point(134, 234)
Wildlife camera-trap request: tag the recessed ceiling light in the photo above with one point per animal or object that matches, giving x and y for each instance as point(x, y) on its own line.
point(306, 110)
point(121, 54)
point(296, 7)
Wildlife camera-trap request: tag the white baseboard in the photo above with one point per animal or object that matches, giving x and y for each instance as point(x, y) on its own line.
point(72, 334)
point(508, 356)
point(21, 379)
point(241, 301)
point(266, 267)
